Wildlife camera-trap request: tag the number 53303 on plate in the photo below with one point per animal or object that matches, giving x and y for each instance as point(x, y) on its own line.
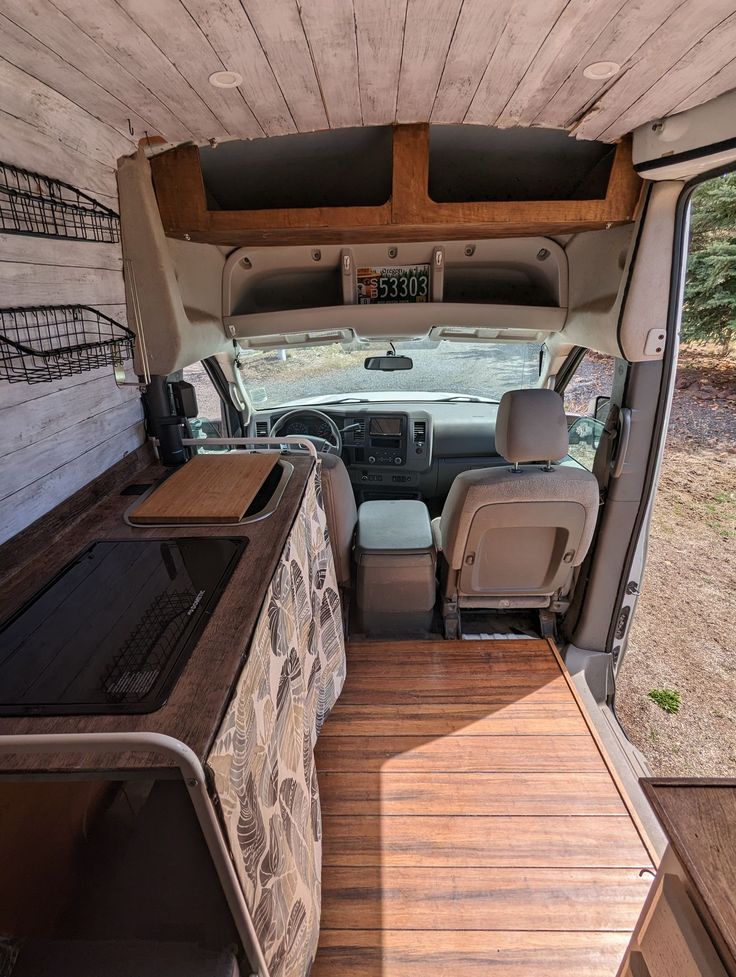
point(398, 283)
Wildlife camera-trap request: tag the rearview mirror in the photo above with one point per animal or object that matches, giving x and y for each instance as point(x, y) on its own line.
point(388, 363)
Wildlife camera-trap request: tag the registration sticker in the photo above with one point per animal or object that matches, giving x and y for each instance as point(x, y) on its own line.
point(395, 283)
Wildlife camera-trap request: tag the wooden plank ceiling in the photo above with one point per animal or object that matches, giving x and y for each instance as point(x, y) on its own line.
point(96, 75)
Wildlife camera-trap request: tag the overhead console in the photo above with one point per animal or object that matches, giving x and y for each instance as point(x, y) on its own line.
point(512, 288)
point(450, 227)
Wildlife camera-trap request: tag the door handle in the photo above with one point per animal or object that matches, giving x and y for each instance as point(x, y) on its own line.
point(624, 434)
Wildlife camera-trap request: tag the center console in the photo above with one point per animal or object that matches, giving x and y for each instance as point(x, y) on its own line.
point(394, 551)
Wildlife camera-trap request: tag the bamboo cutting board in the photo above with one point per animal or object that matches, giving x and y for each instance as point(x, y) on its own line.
point(208, 488)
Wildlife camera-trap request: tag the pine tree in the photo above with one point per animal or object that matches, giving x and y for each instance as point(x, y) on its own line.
point(709, 311)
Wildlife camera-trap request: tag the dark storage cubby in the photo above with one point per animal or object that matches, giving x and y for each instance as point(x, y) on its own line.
point(109, 876)
point(281, 291)
point(334, 168)
point(498, 284)
point(469, 163)
point(34, 204)
point(47, 343)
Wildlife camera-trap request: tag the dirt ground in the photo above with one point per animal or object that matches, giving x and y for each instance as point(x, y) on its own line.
point(684, 632)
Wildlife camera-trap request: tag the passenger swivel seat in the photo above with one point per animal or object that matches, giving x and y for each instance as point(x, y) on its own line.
point(511, 536)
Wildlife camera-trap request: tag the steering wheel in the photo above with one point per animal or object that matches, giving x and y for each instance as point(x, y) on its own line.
point(321, 444)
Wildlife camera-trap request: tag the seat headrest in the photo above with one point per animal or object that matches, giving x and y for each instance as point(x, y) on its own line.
point(531, 426)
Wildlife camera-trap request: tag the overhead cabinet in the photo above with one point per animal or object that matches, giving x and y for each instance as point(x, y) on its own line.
point(588, 189)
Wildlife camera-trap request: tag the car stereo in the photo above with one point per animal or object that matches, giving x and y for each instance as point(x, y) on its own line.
point(387, 440)
point(385, 427)
point(387, 447)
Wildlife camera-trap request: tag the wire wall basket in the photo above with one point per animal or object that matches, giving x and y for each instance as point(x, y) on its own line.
point(47, 343)
point(34, 204)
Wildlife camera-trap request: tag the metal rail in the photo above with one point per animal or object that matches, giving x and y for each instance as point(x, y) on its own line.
point(275, 442)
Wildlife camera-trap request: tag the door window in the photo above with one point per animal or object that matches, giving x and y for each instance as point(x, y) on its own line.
point(208, 422)
point(587, 398)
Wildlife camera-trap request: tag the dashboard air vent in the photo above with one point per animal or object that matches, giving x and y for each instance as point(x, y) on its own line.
point(261, 429)
point(420, 432)
point(359, 431)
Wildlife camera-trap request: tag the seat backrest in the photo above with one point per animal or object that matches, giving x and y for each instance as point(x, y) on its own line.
point(341, 512)
point(513, 534)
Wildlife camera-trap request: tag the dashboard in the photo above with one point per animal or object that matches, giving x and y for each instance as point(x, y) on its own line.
point(400, 449)
point(312, 426)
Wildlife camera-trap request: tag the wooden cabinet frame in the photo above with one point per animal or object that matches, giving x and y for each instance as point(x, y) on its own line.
point(410, 214)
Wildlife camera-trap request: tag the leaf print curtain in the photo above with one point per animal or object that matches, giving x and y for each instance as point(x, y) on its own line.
point(263, 756)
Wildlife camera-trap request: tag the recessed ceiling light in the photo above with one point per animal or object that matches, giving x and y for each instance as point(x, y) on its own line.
point(226, 79)
point(600, 70)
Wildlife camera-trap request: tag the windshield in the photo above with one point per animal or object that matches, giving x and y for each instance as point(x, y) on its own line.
point(442, 369)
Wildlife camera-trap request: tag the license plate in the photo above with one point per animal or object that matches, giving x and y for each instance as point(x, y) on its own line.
point(396, 283)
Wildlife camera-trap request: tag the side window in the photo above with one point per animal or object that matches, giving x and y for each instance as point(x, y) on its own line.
point(587, 397)
point(208, 401)
point(208, 420)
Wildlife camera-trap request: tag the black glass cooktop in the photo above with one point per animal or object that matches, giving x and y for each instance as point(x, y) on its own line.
point(113, 630)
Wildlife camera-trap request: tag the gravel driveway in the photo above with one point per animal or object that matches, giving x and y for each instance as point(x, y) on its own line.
point(453, 368)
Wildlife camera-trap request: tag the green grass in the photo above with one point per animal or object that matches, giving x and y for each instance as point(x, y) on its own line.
point(722, 514)
point(668, 700)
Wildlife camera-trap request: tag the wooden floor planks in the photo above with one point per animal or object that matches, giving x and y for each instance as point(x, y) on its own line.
point(446, 953)
point(458, 754)
point(515, 793)
point(444, 841)
point(470, 822)
point(470, 898)
point(468, 719)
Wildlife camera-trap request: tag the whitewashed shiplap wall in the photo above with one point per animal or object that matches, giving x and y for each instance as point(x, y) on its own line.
point(56, 437)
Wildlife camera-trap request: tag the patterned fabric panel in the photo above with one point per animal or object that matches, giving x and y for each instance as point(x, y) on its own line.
point(263, 757)
point(8, 956)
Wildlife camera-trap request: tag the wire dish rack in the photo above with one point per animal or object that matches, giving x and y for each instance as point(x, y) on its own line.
point(149, 650)
point(47, 343)
point(34, 204)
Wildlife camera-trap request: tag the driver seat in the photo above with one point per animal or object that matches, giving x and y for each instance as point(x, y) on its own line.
point(341, 513)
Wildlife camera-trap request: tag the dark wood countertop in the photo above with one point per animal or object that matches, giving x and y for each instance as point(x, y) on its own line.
point(699, 818)
point(197, 703)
